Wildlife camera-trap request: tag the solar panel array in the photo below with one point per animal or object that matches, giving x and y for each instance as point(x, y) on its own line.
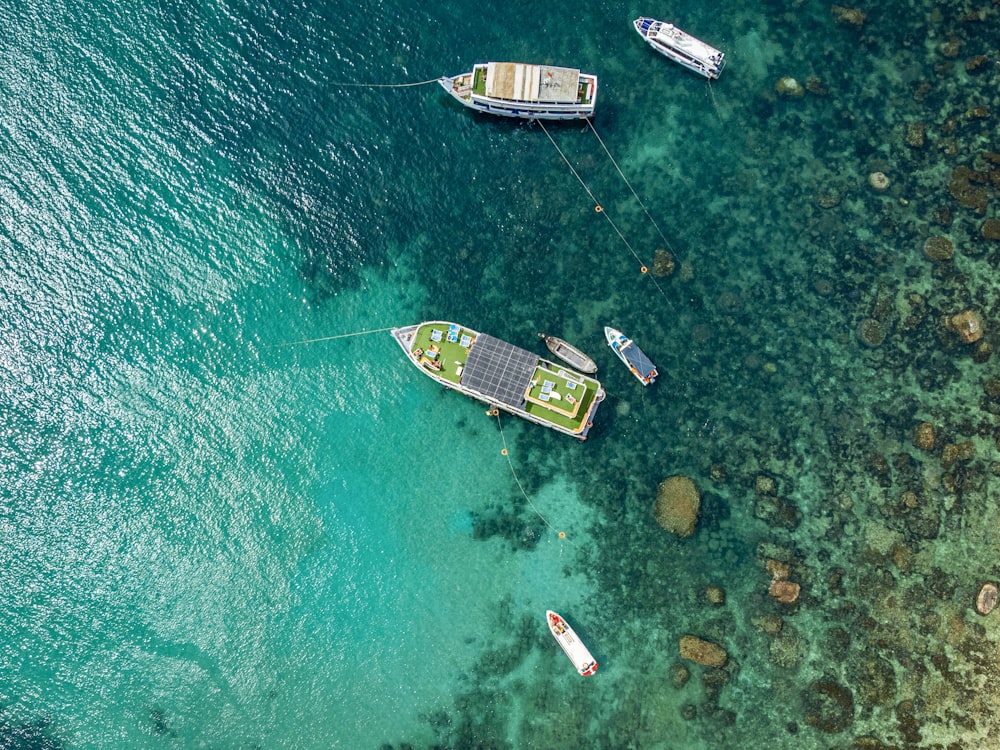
point(498, 370)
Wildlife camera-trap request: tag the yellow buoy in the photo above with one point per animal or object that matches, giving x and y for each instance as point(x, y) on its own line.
point(562, 534)
point(503, 452)
point(644, 269)
point(598, 209)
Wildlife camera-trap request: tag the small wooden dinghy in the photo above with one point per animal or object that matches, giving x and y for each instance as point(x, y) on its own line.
point(569, 354)
point(582, 659)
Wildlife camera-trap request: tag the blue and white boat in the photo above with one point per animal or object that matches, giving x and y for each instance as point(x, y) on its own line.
point(532, 92)
point(681, 47)
point(635, 360)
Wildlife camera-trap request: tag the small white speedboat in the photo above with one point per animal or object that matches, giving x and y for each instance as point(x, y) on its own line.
point(582, 659)
point(635, 360)
point(681, 47)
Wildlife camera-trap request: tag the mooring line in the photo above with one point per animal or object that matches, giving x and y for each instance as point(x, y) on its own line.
point(384, 85)
point(330, 338)
point(506, 453)
point(629, 184)
point(600, 209)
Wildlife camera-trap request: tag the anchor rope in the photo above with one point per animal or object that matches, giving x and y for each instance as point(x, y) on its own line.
point(384, 85)
point(331, 338)
point(517, 480)
point(629, 184)
point(598, 207)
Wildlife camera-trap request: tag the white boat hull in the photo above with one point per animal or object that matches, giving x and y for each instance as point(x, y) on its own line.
point(571, 644)
point(681, 47)
point(520, 96)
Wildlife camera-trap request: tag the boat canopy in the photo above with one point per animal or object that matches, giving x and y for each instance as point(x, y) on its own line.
point(525, 82)
point(638, 359)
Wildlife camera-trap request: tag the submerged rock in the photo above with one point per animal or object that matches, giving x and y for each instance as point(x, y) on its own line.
point(986, 599)
point(702, 652)
point(677, 505)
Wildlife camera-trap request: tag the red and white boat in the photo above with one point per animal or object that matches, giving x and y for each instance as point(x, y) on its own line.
point(582, 659)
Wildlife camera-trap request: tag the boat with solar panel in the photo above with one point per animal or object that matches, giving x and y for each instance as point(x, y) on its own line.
point(681, 47)
point(533, 92)
point(634, 358)
point(503, 376)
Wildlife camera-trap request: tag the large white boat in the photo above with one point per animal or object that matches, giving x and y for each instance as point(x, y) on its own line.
point(533, 92)
point(569, 354)
point(581, 657)
point(681, 47)
point(635, 360)
point(503, 376)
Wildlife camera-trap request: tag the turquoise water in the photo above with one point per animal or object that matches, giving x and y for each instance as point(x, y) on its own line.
point(214, 536)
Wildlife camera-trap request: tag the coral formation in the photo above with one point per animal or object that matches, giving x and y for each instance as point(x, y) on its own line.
point(878, 180)
point(702, 652)
point(937, 247)
point(849, 16)
point(923, 436)
point(677, 504)
point(967, 324)
point(986, 599)
point(663, 262)
point(790, 88)
point(871, 332)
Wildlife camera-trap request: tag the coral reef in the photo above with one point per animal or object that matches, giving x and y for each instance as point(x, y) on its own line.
point(849, 16)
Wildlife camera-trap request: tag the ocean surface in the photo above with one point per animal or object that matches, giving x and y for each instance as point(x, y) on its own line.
point(233, 516)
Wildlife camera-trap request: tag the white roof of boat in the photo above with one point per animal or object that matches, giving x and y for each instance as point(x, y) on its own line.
point(671, 36)
point(531, 83)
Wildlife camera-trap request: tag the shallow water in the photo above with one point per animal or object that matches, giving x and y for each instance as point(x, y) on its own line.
point(214, 535)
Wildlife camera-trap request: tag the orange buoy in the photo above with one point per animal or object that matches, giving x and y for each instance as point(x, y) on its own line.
point(503, 452)
point(562, 534)
point(598, 209)
point(643, 269)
